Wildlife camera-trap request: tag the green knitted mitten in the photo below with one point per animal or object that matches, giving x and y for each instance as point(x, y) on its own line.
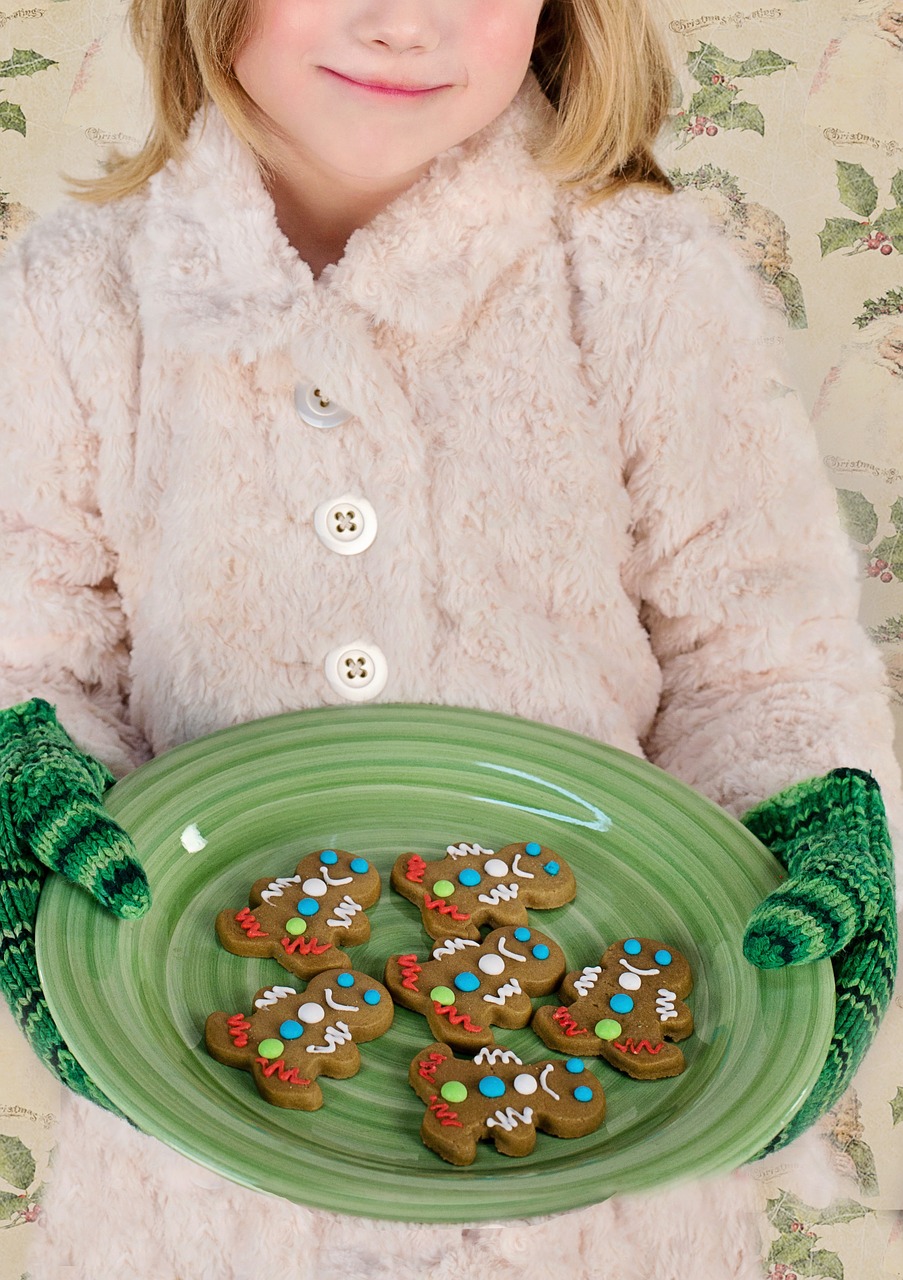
point(52, 816)
point(838, 900)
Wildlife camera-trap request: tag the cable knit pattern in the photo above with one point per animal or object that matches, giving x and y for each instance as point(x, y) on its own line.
point(831, 834)
point(52, 816)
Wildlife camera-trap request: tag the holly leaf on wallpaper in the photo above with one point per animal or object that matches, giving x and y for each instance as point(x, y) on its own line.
point(9, 1204)
point(896, 1105)
point(708, 61)
point(857, 515)
point(743, 115)
point(857, 188)
point(24, 62)
point(890, 221)
point(712, 101)
point(763, 62)
point(791, 291)
point(17, 1166)
point(12, 117)
point(863, 1159)
point(839, 233)
point(896, 187)
point(891, 551)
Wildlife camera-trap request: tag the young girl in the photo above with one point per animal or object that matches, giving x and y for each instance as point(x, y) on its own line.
point(391, 369)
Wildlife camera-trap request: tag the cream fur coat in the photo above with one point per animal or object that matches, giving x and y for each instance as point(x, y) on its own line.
point(596, 504)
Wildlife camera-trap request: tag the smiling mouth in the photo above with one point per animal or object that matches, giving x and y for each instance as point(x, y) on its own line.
point(383, 87)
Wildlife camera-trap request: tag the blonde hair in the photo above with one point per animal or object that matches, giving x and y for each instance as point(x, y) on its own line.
point(601, 63)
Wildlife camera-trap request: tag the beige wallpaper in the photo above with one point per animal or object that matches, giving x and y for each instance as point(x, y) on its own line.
point(789, 127)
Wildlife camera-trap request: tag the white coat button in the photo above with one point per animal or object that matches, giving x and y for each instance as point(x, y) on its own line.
point(357, 671)
point(346, 525)
point(316, 408)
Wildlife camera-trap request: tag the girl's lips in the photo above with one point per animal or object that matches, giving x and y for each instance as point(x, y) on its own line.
point(392, 90)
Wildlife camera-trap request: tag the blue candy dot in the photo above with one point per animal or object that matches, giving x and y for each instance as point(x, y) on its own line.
point(621, 1003)
point(330, 857)
point(522, 935)
point(345, 980)
point(541, 951)
point(469, 877)
point(632, 947)
point(583, 1093)
point(467, 982)
point(533, 849)
point(308, 907)
point(663, 957)
point(291, 1030)
point(359, 865)
point(574, 1065)
point(372, 997)
point(491, 1087)
point(552, 868)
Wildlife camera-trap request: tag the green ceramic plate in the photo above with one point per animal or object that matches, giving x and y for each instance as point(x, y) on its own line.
point(651, 857)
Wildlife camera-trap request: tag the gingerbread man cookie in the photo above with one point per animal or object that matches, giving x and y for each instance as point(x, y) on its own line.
point(497, 1096)
point(302, 920)
point(473, 886)
point(289, 1039)
point(470, 986)
point(626, 1009)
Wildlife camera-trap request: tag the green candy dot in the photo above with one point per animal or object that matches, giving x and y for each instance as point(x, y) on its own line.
point(444, 995)
point(443, 888)
point(296, 925)
point(453, 1091)
point(607, 1029)
point(270, 1048)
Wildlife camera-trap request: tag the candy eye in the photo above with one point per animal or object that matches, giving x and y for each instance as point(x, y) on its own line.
point(345, 980)
point(329, 857)
point(372, 996)
point(522, 935)
point(533, 849)
point(632, 947)
point(359, 866)
point(663, 958)
point(541, 951)
point(552, 868)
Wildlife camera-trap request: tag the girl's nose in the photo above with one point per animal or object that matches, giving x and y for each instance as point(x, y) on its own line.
point(400, 26)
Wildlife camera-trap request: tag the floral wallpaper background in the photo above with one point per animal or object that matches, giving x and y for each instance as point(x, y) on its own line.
point(788, 126)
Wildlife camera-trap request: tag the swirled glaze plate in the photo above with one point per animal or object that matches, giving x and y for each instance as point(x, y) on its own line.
point(651, 858)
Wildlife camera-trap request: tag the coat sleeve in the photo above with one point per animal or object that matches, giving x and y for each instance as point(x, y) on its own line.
point(744, 580)
point(63, 635)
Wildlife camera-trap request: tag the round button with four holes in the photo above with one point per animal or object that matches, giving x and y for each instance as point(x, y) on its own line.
point(357, 671)
point(346, 525)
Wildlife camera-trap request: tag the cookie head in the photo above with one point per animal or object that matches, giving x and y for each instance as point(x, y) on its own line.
point(472, 887)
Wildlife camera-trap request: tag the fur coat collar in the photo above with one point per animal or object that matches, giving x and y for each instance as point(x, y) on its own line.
point(211, 246)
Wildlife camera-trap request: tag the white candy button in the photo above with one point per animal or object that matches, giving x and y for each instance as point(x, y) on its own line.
point(496, 867)
point(493, 965)
point(311, 1012)
point(357, 671)
point(314, 888)
point(316, 408)
point(525, 1084)
point(346, 525)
